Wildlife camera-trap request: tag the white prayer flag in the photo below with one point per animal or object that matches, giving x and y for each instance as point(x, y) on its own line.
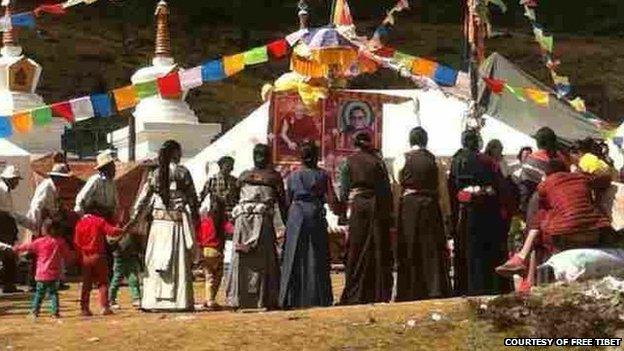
point(191, 78)
point(82, 108)
point(70, 3)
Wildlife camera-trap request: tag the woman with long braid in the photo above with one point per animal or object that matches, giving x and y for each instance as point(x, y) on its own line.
point(170, 199)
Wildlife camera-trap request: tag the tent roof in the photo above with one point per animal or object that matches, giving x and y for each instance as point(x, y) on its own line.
point(526, 116)
point(10, 149)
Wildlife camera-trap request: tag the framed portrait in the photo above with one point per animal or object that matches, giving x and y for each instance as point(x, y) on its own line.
point(290, 125)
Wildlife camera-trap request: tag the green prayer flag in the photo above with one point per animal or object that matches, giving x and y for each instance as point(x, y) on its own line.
point(256, 56)
point(547, 42)
point(42, 115)
point(515, 93)
point(146, 89)
point(403, 59)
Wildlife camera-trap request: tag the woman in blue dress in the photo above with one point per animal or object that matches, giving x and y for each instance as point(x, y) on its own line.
point(305, 280)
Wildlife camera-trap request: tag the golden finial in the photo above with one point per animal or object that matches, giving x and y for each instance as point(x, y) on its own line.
point(163, 40)
point(8, 36)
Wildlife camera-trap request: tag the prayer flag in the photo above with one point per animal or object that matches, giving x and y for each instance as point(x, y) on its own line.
point(515, 93)
point(342, 14)
point(125, 97)
point(191, 78)
point(546, 43)
point(25, 19)
point(578, 104)
point(495, 85)
point(63, 110)
point(538, 32)
point(278, 48)
point(6, 130)
point(424, 67)
point(403, 59)
point(529, 3)
point(54, 9)
point(146, 89)
point(169, 85)
point(22, 122)
point(42, 115)
point(539, 97)
point(385, 51)
point(256, 56)
point(101, 105)
point(445, 76)
point(530, 13)
point(233, 64)
point(212, 71)
point(82, 108)
point(5, 23)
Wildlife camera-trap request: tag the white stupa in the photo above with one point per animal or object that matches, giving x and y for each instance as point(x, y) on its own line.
point(19, 77)
point(158, 119)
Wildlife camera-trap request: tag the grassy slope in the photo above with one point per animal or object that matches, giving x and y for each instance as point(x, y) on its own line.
point(86, 54)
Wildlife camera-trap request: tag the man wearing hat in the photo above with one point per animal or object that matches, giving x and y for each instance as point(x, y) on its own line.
point(9, 180)
point(100, 188)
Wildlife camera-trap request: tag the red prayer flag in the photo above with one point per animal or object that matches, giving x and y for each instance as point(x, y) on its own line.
point(278, 48)
point(54, 9)
point(63, 110)
point(169, 86)
point(385, 51)
point(495, 85)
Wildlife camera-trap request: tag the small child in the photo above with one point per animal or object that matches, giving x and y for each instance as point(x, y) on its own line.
point(52, 255)
point(90, 241)
point(126, 264)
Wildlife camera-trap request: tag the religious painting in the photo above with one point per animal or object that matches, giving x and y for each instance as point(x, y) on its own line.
point(21, 76)
point(290, 125)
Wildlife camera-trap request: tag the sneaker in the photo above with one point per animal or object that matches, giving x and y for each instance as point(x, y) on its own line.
point(515, 265)
point(114, 305)
point(106, 312)
point(86, 313)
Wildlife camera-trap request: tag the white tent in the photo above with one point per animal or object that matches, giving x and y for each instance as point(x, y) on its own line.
point(11, 154)
point(440, 115)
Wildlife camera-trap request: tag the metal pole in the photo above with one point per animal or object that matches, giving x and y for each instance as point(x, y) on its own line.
point(131, 138)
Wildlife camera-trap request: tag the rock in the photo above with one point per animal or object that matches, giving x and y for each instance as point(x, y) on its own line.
point(436, 317)
point(411, 323)
point(93, 339)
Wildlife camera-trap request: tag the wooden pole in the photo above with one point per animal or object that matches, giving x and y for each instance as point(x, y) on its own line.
point(131, 138)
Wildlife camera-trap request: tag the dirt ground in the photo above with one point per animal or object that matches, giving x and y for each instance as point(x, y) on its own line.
point(428, 325)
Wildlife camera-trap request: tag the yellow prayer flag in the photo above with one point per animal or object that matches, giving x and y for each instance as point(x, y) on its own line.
point(539, 97)
point(125, 97)
point(578, 104)
point(233, 64)
point(22, 122)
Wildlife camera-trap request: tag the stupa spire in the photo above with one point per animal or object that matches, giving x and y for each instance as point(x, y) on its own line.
point(163, 38)
point(8, 36)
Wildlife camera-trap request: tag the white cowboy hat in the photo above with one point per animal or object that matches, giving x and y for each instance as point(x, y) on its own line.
point(104, 158)
point(10, 172)
point(60, 170)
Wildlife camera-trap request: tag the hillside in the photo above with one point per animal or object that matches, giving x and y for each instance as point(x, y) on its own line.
point(82, 52)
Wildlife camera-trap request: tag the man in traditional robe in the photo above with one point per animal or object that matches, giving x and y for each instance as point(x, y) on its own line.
point(365, 185)
point(422, 269)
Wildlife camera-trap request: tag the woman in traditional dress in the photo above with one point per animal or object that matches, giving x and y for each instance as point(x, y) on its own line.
point(253, 280)
point(305, 280)
point(422, 267)
point(170, 202)
point(365, 184)
point(475, 187)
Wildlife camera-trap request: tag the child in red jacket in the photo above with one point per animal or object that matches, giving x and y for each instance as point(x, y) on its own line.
point(90, 241)
point(52, 255)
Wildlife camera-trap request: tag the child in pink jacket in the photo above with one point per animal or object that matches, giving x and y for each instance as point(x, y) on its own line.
point(52, 253)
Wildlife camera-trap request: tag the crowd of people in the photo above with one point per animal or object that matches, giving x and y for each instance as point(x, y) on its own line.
point(554, 190)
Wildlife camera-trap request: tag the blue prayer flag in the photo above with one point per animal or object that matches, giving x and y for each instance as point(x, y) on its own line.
point(25, 19)
point(212, 71)
point(6, 130)
point(101, 105)
point(445, 76)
